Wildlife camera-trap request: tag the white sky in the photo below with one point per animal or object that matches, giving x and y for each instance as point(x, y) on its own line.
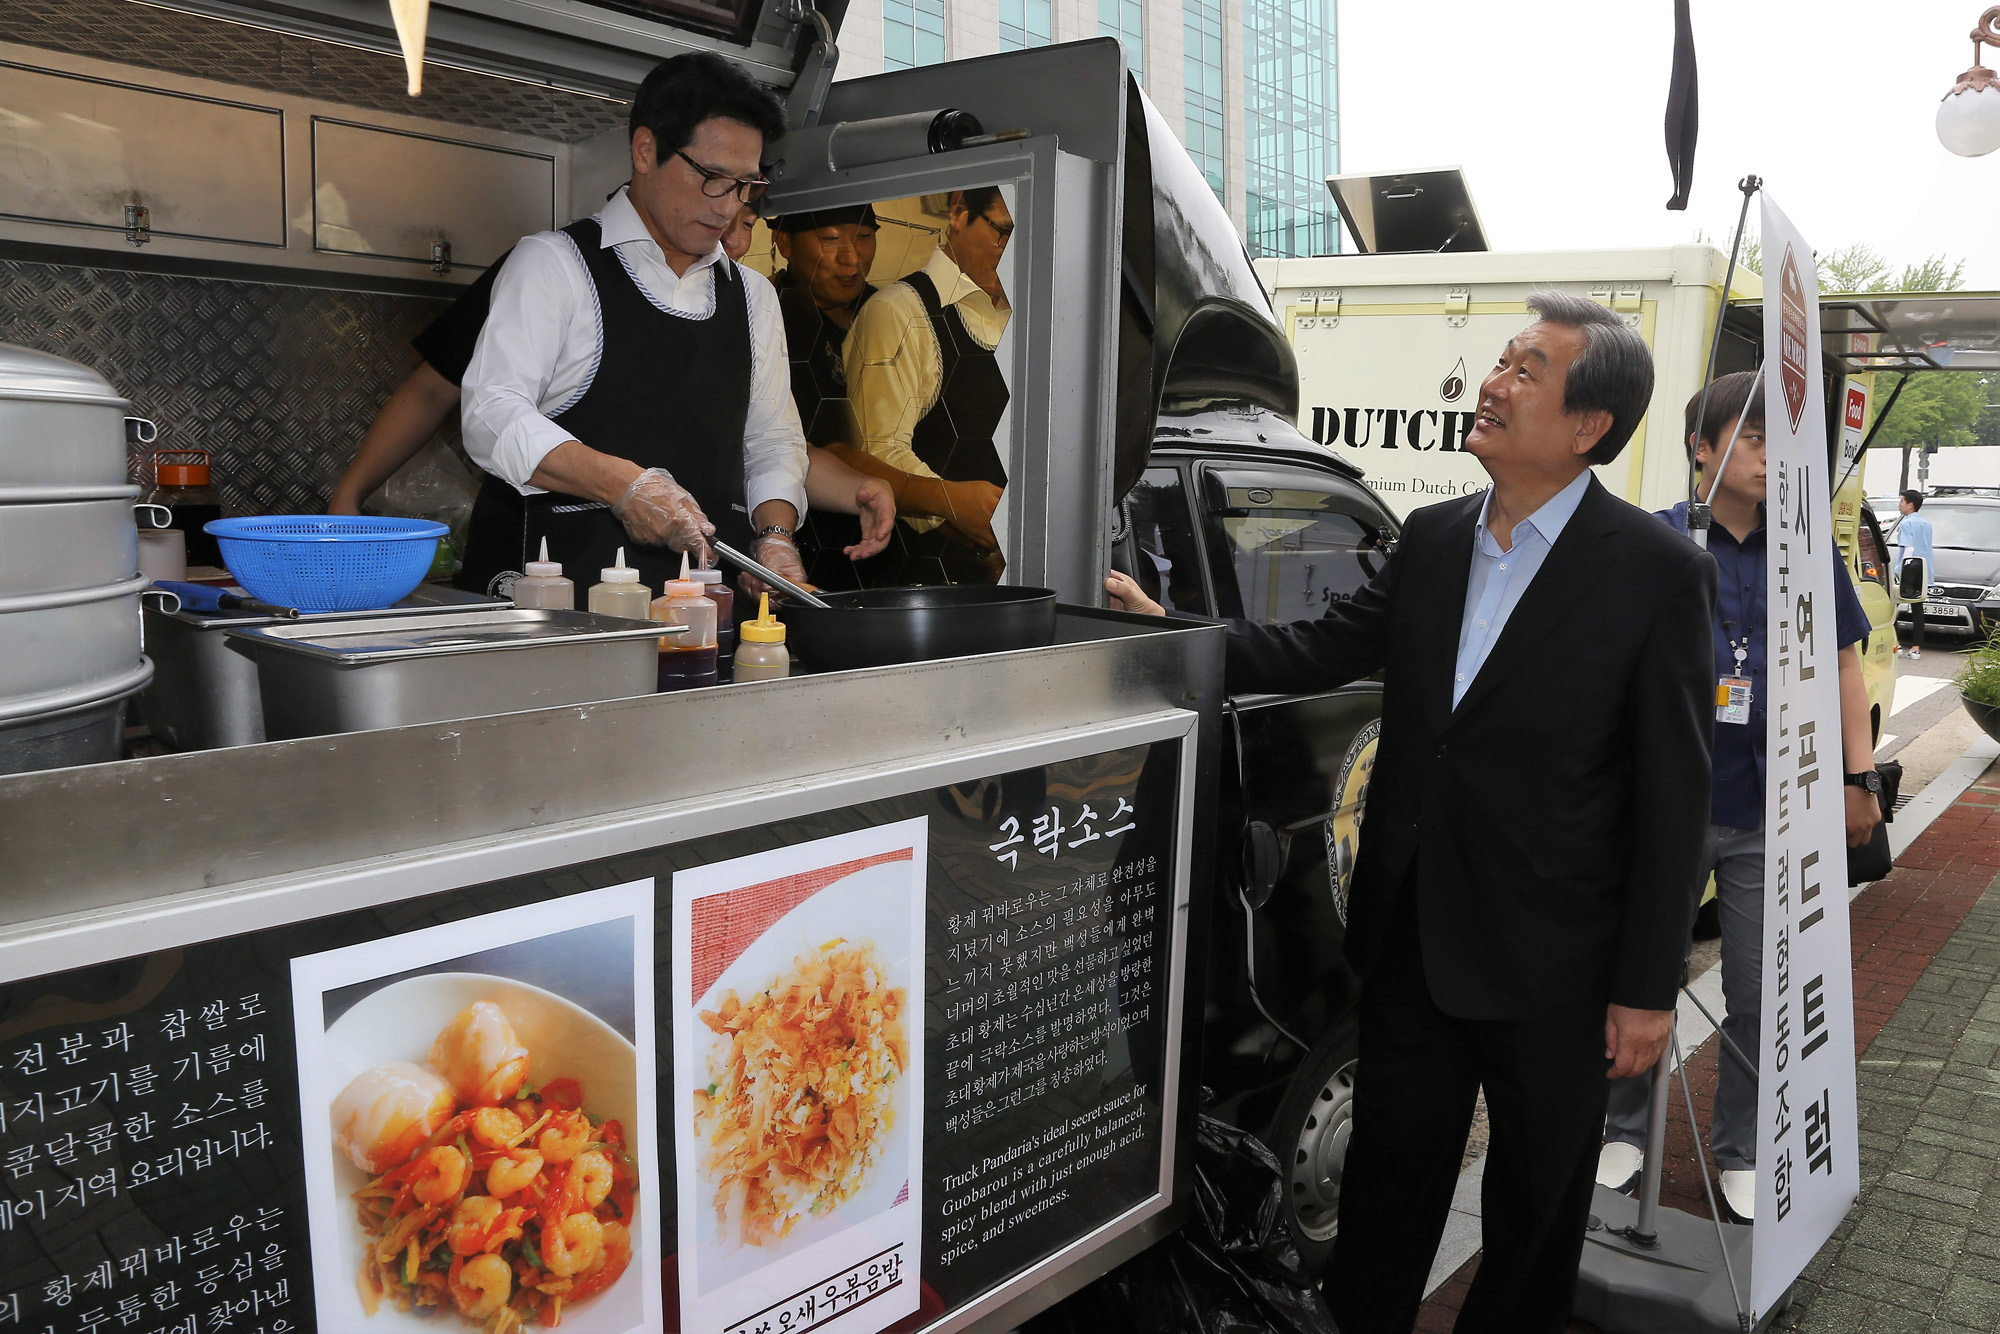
point(1556, 109)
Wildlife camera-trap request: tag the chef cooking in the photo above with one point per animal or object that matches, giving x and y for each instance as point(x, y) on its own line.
point(630, 384)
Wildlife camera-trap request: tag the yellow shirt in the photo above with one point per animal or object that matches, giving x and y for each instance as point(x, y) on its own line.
point(894, 371)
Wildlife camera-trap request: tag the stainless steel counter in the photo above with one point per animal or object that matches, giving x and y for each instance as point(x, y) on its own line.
point(80, 842)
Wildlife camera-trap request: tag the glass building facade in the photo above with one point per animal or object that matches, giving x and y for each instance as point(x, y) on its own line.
point(912, 33)
point(1126, 20)
point(1207, 142)
point(1025, 23)
point(1291, 140)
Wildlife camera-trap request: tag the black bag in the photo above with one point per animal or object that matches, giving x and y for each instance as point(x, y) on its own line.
point(1871, 861)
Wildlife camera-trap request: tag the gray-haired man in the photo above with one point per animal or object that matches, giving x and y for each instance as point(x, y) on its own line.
point(1522, 901)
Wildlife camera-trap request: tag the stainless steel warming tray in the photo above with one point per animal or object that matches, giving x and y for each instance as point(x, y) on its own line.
point(204, 693)
point(317, 678)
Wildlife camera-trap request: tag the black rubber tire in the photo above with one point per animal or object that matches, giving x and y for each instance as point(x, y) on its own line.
point(1309, 1134)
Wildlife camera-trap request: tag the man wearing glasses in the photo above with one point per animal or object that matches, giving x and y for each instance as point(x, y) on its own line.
point(928, 393)
point(630, 385)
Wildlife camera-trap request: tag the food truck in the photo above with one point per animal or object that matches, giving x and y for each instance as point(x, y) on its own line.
point(425, 961)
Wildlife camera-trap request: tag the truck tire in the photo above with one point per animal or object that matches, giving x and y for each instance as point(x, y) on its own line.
point(1309, 1135)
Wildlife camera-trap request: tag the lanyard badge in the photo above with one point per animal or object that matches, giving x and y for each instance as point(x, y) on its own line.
point(1732, 693)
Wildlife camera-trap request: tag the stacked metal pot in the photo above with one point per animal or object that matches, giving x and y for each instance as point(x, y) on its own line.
point(70, 654)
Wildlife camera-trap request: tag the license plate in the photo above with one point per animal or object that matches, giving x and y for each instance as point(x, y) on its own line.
point(1946, 611)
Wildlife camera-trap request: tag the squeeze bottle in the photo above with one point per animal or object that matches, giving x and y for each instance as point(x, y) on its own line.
point(724, 599)
point(543, 585)
point(686, 660)
point(621, 593)
point(763, 656)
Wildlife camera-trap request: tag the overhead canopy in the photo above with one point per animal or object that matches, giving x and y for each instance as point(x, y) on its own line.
point(1903, 331)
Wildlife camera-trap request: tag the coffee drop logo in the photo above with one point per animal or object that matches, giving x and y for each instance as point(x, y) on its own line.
point(1454, 384)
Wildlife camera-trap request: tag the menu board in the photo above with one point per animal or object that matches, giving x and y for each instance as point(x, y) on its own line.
point(347, 1122)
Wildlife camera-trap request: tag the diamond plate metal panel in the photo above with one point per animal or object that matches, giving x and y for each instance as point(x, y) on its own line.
point(276, 383)
point(164, 39)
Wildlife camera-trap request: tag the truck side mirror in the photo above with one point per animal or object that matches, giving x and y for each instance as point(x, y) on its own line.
point(1914, 579)
point(1262, 862)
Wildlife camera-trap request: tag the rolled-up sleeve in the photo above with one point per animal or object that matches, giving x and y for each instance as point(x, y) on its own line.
point(774, 445)
point(505, 429)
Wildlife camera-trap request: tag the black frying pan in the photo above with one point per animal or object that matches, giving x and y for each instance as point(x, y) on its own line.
point(873, 627)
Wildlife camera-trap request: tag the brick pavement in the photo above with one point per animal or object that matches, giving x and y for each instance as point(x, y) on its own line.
point(1922, 1249)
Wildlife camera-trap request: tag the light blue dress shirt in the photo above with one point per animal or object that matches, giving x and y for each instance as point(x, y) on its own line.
point(1913, 535)
point(1499, 578)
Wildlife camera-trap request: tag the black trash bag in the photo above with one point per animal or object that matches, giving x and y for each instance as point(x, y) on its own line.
point(1231, 1270)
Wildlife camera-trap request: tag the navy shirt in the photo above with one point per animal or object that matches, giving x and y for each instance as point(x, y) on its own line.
point(1740, 614)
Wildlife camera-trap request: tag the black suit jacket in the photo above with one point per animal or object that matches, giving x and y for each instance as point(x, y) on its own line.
point(1555, 818)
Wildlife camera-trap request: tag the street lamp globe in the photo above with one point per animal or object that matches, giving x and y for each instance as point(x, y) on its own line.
point(1968, 120)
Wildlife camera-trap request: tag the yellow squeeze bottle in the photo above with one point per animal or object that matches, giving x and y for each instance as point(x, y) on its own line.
point(762, 656)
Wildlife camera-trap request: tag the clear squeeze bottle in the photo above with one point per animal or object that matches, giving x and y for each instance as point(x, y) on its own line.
point(621, 593)
point(763, 656)
point(543, 585)
point(686, 660)
point(724, 599)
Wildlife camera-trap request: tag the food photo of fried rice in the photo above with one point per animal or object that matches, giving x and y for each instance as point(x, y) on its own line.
point(489, 1201)
point(801, 1097)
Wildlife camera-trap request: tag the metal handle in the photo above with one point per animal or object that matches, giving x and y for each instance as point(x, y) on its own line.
point(140, 431)
point(769, 576)
point(156, 517)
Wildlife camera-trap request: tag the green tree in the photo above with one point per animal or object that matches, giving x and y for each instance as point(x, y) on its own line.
point(1935, 408)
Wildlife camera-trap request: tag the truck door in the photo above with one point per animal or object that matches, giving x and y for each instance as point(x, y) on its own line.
point(1285, 543)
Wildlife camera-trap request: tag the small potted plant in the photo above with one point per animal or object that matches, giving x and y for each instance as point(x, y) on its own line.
point(1979, 686)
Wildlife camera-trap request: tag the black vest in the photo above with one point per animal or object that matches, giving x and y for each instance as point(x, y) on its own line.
point(668, 391)
point(955, 437)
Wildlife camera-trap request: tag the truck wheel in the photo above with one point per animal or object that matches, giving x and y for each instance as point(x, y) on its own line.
point(1309, 1135)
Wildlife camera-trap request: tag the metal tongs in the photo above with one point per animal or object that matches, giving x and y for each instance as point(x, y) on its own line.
point(768, 575)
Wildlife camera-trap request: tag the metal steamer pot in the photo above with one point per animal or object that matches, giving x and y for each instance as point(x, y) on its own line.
point(877, 627)
point(69, 595)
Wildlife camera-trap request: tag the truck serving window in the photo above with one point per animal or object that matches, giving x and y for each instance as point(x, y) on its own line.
point(1297, 541)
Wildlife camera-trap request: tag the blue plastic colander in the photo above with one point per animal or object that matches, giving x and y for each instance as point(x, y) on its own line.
point(327, 562)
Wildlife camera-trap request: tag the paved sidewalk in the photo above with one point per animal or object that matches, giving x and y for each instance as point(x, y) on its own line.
point(1921, 1251)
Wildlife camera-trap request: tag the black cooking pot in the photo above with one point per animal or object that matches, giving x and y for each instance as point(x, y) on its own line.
point(874, 627)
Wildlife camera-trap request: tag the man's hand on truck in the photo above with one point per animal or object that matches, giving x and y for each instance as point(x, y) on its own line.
point(1126, 595)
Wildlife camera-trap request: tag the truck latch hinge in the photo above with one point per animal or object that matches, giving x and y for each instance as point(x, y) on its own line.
point(1457, 307)
point(808, 96)
point(1319, 308)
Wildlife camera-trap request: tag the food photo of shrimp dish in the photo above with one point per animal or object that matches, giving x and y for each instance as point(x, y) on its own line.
point(487, 1198)
point(800, 1100)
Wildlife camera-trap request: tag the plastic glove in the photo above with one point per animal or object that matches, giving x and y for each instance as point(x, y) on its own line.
point(657, 511)
point(780, 556)
point(875, 502)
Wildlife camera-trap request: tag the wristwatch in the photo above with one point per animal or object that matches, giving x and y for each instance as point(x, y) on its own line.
point(774, 530)
point(1867, 780)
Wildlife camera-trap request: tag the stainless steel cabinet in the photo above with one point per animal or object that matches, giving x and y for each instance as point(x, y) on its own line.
point(77, 151)
point(393, 194)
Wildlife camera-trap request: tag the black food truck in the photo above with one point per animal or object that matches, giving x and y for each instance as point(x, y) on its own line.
point(366, 990)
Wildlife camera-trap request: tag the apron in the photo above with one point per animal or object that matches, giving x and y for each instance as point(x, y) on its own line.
point(669, 391)
point(819, 388)
point(955, 438)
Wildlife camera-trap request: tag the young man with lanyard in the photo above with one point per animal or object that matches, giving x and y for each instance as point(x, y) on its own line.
point(928, 394)
point(1734, 847)
point(629, 386)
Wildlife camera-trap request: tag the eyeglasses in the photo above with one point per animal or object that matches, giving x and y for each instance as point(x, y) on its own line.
point(720, 184)
point(1005, 234)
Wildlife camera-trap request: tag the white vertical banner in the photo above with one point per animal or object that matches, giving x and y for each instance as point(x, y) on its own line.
point(1807, 1176)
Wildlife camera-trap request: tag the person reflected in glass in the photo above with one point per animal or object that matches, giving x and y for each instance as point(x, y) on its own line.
point(928, 394)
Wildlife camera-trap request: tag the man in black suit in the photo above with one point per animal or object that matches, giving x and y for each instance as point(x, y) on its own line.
point(1527, 882)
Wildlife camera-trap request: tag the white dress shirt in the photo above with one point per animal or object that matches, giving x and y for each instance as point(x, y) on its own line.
point(541, 345)
point(894, 369)
point(1499, 578)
